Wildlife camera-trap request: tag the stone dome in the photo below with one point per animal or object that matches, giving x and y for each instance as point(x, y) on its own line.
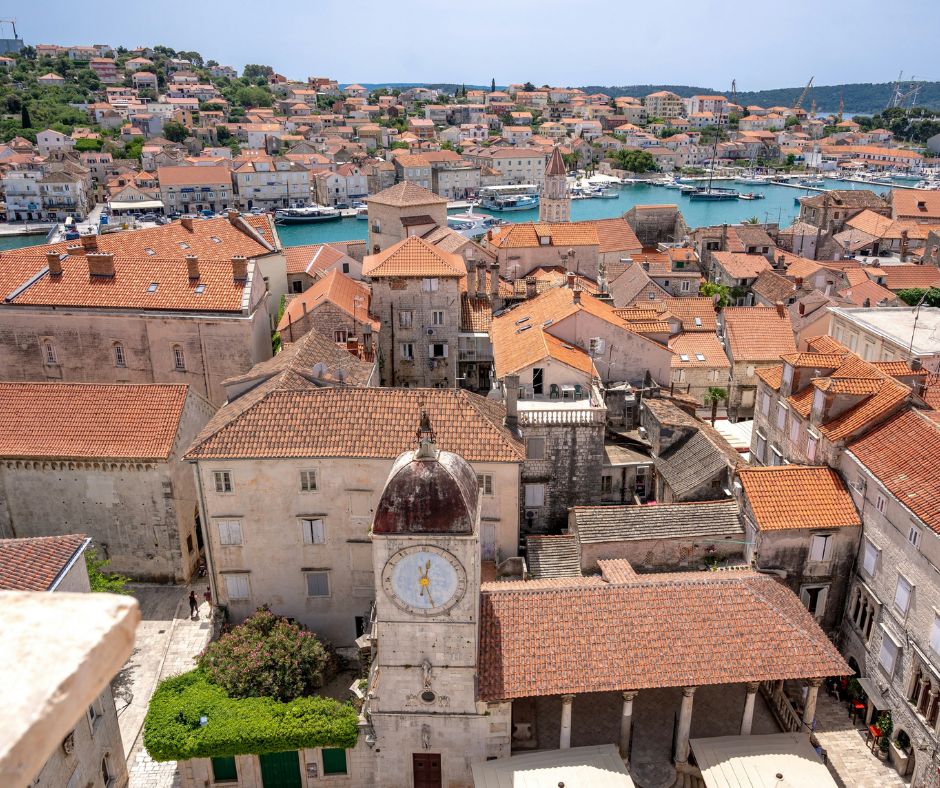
point(428, 491)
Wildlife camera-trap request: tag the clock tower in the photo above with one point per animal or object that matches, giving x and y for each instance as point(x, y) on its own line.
point(422, 706)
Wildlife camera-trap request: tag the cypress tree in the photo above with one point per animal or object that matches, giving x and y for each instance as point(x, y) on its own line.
point(25, 121)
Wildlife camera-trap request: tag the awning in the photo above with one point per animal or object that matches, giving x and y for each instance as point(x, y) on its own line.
point(136, 205)
point(874, 694)
point(782, 760)
point(599, 767)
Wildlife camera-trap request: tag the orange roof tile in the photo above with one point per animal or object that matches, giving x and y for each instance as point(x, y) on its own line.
point(757, 333)
point(694, 344)
point(35, 563)
point(797, 496)
point(696, 313)
point(414, 257)
point(404, 194)
point(742, 266)
point(344, 292)
point(529, 234)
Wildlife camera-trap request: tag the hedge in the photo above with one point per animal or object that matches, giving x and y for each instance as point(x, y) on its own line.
point(239, 726)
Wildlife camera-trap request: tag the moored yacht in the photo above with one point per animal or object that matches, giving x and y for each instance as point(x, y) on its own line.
point(312, 213)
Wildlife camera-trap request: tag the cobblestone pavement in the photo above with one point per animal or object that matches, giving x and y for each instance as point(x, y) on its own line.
point(852, 763)
point(167, 642)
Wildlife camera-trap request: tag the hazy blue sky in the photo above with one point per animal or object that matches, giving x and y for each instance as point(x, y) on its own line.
point(574, 42)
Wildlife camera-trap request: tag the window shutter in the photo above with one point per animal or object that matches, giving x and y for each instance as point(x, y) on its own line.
point(935, 635)
point(445, 351)
point(902, 596)
point(431, 350)
point(870, 559)
point(817, 548)
point(821, 602)
point(318, 584)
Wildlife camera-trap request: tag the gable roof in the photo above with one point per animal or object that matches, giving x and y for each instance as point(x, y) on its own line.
point(741, 266)
point(89, 421)
point(796, 496)
point(594, 524)
point(37, 563)
point(757, 333)
point(524, 235)
point(414, 257)
point(405, 194)
point(553, 556)
point(344, 292)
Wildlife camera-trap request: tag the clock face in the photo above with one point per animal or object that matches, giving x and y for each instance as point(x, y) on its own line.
point(424, 579)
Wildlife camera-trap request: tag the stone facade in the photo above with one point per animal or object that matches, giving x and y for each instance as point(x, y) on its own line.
point(332, 322)
point(385, 220)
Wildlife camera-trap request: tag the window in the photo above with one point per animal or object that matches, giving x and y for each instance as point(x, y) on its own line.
point(685, 286)
point(308, 481)
point(749, 370)
point(761, 447)
point(429, 285)
point(870, 558)
point(119, 360)
point(48, 352)
point(437, 350)
point(814, 597)
point(782, 415)
point(902, 595)
point(224, 770)
point(538, 380)
point(765, 403)
point(334, 761)
point(881, 503)
point(223, 481)
point(107, 774)
point(794, 431)
point(888, 656)
point(95, 713)
point(820, 547)
point(318, 583)
point(179, 358)
point(607, 484)
point(407, 351)
point(535, 448)
point(811, 441)
point(437, 317)
point(312, 528)
point(340, 335)
point(485, 483)
point(230, 532)
point(404, 318)
point(237, 587)
point(913, 536)
point(535, 495)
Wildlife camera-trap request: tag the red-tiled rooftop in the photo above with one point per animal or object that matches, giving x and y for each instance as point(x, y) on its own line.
point(797, 496)
point(35, 563)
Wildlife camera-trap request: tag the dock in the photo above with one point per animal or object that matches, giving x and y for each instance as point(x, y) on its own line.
point(8, 229)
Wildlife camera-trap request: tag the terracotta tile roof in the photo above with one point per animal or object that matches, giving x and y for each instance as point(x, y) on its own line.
point(902, 277)
point(650, 326)
point(525, 235)
point(904, 455)
point(741, 266)
point(688, 309)
point(694, 344)
point(615, 235)
point(132, 286)
point(553, 556)
point(405, 194)
point(773, 287)
point(194, 176)
point(826, 344)
point(336, 288)
point(869, 291)
point(644, 631)
point(815, 360)
point(870, 222)
point(35, 563)
point(797, 496)
point(757, 333)
point(898, 369)
point(916, 204)
point(598, 524)
point(89, 421)
point(414, 257)
point(476, 314)
point(772, 376)
point(304, 421)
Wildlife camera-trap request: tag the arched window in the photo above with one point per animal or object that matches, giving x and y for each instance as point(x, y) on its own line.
point(179, 357)
point(118, 351)
point(48, 352)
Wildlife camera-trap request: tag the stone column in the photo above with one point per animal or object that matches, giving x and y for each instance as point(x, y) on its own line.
point(564, 741)
point(809, 713)
point(626, 723)
point(685, 725)
point(747, 719)
point(922, 695)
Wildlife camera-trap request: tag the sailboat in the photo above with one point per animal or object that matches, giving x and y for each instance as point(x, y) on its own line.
point(710, 192)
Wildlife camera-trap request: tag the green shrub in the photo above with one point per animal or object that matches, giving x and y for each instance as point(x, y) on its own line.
point(239, 726)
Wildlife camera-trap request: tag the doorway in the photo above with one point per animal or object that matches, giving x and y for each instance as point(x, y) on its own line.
point(281, 770)
point(426, 768)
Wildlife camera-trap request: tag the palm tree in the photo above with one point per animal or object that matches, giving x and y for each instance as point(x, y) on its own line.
point(713, 396)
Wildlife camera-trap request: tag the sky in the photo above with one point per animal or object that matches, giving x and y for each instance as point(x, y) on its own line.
point(705, 43)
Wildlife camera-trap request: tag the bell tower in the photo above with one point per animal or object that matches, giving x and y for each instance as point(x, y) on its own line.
point(554, 204)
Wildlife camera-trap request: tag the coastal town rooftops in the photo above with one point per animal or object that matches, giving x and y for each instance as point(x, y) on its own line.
point(845, 198)
point(89, 421)
point(757, 333)
point(194, 176)
point(796, 496)
point(662, 521)
point(414, 257)
point(354, 422)
point(916, 204)
point(536, 234)
point(405, 194)
point(899, 325)
point(343, 292)
point(741, 266)
point(38, 563)
point(604, 634)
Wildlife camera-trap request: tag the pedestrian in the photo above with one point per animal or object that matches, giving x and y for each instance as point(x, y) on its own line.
point(193, 605)
point(208, 597)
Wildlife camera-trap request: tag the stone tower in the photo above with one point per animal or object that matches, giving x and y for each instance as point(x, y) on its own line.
point(555, 206)
point(423, 709)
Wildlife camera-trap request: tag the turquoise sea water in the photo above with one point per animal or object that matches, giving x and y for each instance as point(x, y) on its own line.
point(778, 206)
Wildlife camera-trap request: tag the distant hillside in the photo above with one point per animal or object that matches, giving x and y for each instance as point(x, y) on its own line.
point(860, 97)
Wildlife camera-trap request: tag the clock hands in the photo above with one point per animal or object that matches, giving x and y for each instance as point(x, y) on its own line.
point(425, 582)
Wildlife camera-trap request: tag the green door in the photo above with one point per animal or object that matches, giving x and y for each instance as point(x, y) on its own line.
point(280, 770)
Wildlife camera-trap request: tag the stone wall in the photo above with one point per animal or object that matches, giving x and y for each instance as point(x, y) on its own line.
point(385, 227)
point(327, 318)
point(663, 224)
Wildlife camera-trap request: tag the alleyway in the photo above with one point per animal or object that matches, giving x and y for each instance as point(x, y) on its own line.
point(850, 760)
point(167, 642)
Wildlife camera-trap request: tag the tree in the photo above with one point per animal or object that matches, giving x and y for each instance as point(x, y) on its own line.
point(269, 656)
point(912, 296)
point(102, 581)
point(25, 121)
point(528, 87)
point(712, 289)
point(493, 85)
point(634, 160)
point(713, 396)
point(175, 131)
point(222, 134)
point(254, 70)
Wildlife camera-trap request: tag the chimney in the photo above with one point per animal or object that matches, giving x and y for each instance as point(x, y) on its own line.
point(232, 216)
point(646, 265)
point(240, 268)
point(916, 365)
point(799, 281)
point(780, 261)
point(187, 222)
point(802, 309)
point(531, 288)
point(494, 284)
point(904, 246)
point(76, 250)
point(781, 310)
point(480, 268)
point(570, 279)
point(54, 261)
point(866, 303)
point(576, 295)
point(192, 266)
point(100, 263)
point(90, 243)
point(511, 384)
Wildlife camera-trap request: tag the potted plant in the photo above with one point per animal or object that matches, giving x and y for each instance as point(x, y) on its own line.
point(886, 726)
point(900, 752)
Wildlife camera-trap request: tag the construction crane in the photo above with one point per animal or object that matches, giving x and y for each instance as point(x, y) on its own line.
point(11, 23)
point(799, 102)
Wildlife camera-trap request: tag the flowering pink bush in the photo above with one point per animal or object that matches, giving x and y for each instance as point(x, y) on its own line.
point(268, 656)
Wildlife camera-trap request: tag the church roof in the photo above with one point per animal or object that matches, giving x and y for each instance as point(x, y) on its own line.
point(556, 164)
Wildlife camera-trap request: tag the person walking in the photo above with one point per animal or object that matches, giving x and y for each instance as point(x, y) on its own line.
point(193, 605)
point(208, 597)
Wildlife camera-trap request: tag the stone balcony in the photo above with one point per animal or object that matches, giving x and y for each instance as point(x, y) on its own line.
point(564, 408)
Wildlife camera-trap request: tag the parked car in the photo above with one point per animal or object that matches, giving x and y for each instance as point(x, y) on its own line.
point(148, 217)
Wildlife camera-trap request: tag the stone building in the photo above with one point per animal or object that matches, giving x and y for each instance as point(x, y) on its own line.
point(92, 754)
point(830, 210)
point(656, 224)
point(288, 516)
point(110, 455)
point(416, 296)
point(891, 628)
point(699, 363)
point(802, 525)
point(555, 205)
point(180, 304)
point(397, 209)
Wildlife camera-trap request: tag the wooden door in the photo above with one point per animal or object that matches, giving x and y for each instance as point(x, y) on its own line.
point(280, 770)
point(426, 769)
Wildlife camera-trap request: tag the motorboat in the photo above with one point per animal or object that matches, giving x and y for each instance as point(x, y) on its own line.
point(313, 213)
point(713, 193)
point(509, 198)
point(751, 196)
point(472, 225)
point(362, 212)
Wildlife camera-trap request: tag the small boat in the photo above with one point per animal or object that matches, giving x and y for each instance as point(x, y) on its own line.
point(751, 196)
point(607, 194)
point(362, 213)
point(313, 213)
point(713, 193)
point(472, 225)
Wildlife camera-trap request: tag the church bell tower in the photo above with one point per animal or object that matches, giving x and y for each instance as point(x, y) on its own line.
point(555, 205)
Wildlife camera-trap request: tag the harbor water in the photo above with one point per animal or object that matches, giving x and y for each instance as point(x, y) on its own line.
point(778, 206)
